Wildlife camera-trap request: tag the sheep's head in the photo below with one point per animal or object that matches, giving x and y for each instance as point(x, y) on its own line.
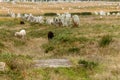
point(17, 34)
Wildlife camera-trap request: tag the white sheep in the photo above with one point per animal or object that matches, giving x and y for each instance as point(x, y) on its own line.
point(21, 34)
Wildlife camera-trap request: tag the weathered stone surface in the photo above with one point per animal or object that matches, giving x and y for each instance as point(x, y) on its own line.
point(53, 63)
point(2, 66)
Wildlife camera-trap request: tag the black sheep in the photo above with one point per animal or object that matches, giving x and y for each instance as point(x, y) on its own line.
point(50, 35)
point(22, 22)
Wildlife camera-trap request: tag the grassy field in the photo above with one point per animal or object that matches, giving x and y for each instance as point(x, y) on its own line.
point(93, 48)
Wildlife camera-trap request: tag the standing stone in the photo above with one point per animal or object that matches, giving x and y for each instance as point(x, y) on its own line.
point(13, 15)
point(18, 15)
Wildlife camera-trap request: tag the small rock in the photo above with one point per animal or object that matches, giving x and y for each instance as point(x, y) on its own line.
point(2, 66)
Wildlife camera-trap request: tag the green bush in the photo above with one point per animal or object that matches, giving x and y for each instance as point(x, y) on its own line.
point(4, 15)
point(74, 49)
point(83, 39)
point(48, 47)
point(50, 14)
point(106, 40)
point(114, 12)
point(82, 13)
point(88, 64)
point(2, 45)
point(65, 37)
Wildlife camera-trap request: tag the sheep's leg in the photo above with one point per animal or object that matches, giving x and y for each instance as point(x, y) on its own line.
point(23, 37)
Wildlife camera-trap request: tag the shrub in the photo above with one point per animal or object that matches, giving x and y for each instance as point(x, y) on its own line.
point(2, 45)
point(82, 13)
point(88, 64)
point(48, 47)
point(50, 14)
point(106, 40)
point(74, 49)
point(114, 12)
point(65, 37)
point(83, 39)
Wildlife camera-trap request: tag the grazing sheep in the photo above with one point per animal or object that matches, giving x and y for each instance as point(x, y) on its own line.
point(21, 34)
point(50, 35)
point(22, 22)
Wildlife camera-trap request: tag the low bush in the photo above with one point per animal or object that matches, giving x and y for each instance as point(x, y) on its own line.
point(50, 14)
point(48, 47)
point(105, 40)
point(88, 64)
point(82, 13)
point(114, 12)
point(74, 49)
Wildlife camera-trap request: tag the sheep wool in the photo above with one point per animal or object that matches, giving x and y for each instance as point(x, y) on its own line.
point(21, 34)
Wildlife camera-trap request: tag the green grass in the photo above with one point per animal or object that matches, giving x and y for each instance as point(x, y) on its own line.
point(9, 22)
point(88, 64)
point(63, 73)
point(19, 42)
point(105, 40)
point(16, 64)
point(69, 42)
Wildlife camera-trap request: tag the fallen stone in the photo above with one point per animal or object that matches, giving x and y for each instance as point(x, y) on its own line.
point(53, 63)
